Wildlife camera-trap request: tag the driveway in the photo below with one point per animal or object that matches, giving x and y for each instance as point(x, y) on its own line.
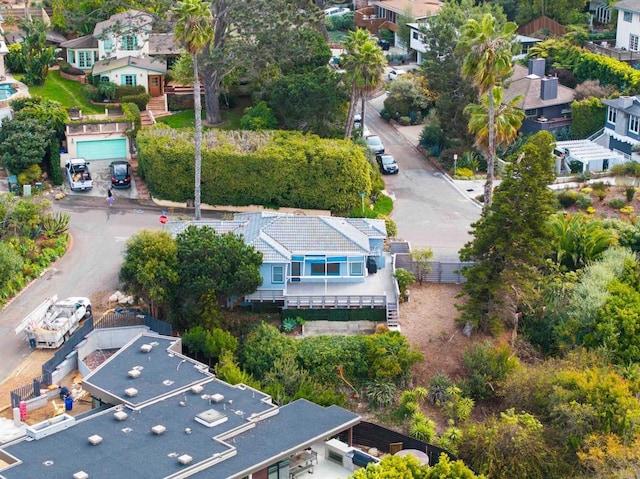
point(430, 211)
point(101, 180)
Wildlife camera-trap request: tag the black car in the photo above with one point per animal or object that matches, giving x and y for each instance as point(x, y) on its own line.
point(387, 164)
point(120, 174)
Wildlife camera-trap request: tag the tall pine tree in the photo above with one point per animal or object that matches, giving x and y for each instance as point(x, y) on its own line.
point(511, 239)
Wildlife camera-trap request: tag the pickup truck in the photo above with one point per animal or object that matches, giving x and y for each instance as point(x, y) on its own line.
point(78, 174)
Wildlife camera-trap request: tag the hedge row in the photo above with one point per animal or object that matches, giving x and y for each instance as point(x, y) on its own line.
point(270, 168)
point(609, 71)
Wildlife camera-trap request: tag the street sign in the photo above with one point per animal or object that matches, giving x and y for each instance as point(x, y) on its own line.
point(163, 219)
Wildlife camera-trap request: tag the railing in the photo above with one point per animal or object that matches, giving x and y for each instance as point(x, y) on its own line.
point(335, 301)
point(617, 53)
point(596, 135)
point(92, 128)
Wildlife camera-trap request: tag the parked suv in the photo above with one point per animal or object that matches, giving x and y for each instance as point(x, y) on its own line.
point(375, 144)
point(387, 164)
point(120, 174)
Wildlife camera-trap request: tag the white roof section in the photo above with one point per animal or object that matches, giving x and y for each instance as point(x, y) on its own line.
point(586, 151)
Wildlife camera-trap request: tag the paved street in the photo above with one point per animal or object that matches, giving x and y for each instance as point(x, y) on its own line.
point(429, 209)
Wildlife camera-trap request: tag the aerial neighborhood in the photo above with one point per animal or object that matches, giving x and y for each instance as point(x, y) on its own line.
point(275, 239)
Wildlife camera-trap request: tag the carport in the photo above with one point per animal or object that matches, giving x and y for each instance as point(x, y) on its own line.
point(593, 156)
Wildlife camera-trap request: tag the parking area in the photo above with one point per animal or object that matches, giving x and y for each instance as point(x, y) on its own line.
point(101, 180)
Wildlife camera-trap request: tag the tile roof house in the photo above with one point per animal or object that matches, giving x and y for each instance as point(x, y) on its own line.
point(317, 262)
point(124, 50)
point(546, 103)
point(164, 415)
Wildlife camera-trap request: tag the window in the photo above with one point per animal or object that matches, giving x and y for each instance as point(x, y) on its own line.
point(633, 43)
point(628, 17)
point(108, 45)
point(279, 470)
point(71, 56)
point(85, 59)
point(328, 269)
point(105, 79)
point(296, 268)
point(611, 115)
point(277, 274)
point(634, 124)
point(129, 42)
point(129, 80)
point(415, 35)
point(355, 269)
point(333, 269)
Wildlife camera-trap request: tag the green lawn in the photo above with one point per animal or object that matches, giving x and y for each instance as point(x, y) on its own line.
point(69, 93)
point(185, 119)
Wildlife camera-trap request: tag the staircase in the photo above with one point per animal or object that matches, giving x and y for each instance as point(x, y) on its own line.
point(141, 187)
point(158, 105)
point(393, 316)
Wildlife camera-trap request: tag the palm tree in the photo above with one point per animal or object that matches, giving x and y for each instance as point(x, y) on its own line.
point(194, 29)
point(364, 61)
point(507, 120)
point(487, 62)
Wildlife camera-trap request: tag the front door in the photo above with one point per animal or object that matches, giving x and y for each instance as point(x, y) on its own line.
point(155, 85)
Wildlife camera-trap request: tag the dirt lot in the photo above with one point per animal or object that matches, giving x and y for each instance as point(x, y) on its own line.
point(427, 320)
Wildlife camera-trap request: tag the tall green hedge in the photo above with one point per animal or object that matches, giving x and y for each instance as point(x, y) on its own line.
point(609, 71)
point(271, 168)
point(588, 116)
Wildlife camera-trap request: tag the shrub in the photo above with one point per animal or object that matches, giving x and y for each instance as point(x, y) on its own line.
point(92, 93)
point(599, 186)
point(586, 190)
point(590, 89)
point(381, 394)
point(567, 198)
point(486, 366)
point(628, 168)
point(421, 427)
point(616, 203)
point(405, 279)
point(31, 174)
point(439, 389)
point(15, 59)
point(124, 90)
point(140, 100)
point(404, 121)
point(627, 210)
point(392, 227)
point(464, 173)
point(69, 69)
point(584, 201)
point(629, 193)
point(258, 117)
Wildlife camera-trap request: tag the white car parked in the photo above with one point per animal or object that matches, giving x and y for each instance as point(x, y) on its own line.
point(393, 74)
point(336, 11)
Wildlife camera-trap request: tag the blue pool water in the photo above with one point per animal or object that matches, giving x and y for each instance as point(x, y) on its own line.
point(6, 91)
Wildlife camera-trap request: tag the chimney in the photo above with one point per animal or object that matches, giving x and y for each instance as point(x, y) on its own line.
point(549, 88)
point(626, 101)
point(537, 66)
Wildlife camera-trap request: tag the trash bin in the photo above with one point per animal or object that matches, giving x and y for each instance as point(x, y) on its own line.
point(38, 186)
point(12, 184)
point(68, 403)
point(26, 190)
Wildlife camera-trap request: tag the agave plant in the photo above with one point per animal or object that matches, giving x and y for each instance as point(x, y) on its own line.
point(56, 224)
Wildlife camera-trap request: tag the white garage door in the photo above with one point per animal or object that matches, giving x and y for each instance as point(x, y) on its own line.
point(102, 149)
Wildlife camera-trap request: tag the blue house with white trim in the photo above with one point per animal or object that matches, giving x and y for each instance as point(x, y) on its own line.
point(316, 262)
point(622, 124)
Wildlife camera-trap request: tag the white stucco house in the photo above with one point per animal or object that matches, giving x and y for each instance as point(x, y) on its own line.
point(628, 26)
point(124, 50)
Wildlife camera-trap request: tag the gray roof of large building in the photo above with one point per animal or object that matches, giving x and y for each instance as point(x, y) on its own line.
point(619, 104)
point(521, 83)
point(254, 432)
point(145, 63)
point(279, 236)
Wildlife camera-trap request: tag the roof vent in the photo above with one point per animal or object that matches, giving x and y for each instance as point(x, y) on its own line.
point(145, 348)
point(216, 398)
point(95, 439)
point(131, 392)
point(185, 459)
point(120, 415)
point(197, 389)
point(134, 373)
point(158, 429)
point(81, 475)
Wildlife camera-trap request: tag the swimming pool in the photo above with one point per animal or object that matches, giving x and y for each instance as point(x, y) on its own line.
point(6, 91)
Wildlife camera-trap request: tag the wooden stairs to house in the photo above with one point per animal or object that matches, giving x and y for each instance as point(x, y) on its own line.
point(156, 108)
point(393, 317)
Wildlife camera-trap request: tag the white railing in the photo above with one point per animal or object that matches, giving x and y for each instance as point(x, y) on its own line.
point(335, 301)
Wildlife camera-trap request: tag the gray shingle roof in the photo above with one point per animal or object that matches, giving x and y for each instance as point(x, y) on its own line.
point(521, 83)
point(163, 44)
point(132, 19)
point(278, 236)
point(629, 5)
point(144, 63)
point(87, 41)
point(632, 108)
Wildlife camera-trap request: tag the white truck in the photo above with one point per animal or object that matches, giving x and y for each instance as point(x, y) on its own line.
point(53, 322)
point(78, 174)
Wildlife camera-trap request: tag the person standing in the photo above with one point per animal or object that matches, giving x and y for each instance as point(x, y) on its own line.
point(110, 197)
point(31, 337)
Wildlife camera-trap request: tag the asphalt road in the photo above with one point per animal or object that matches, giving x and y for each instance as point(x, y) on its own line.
point(429, 210)
point(91, 265)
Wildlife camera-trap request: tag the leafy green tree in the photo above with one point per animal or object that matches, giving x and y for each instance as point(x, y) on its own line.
point(405, 278)
point(406, 96)
point(487, 50)
point(10, 264)
point(38, 56)
point(15, 60)
point(262, 347)
point(194, 31)
point(323, 355)
point(421, 259)
point(313, 100)
point(258, 117)
point(364, 62)
point(24, 142)
point(511, 239)
point(150, 268)
point(228, 370)
point(391, 357)
point(508, 446)
point(398, 467)
point(210, 262)
point(449, 469)
point(51, 113)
